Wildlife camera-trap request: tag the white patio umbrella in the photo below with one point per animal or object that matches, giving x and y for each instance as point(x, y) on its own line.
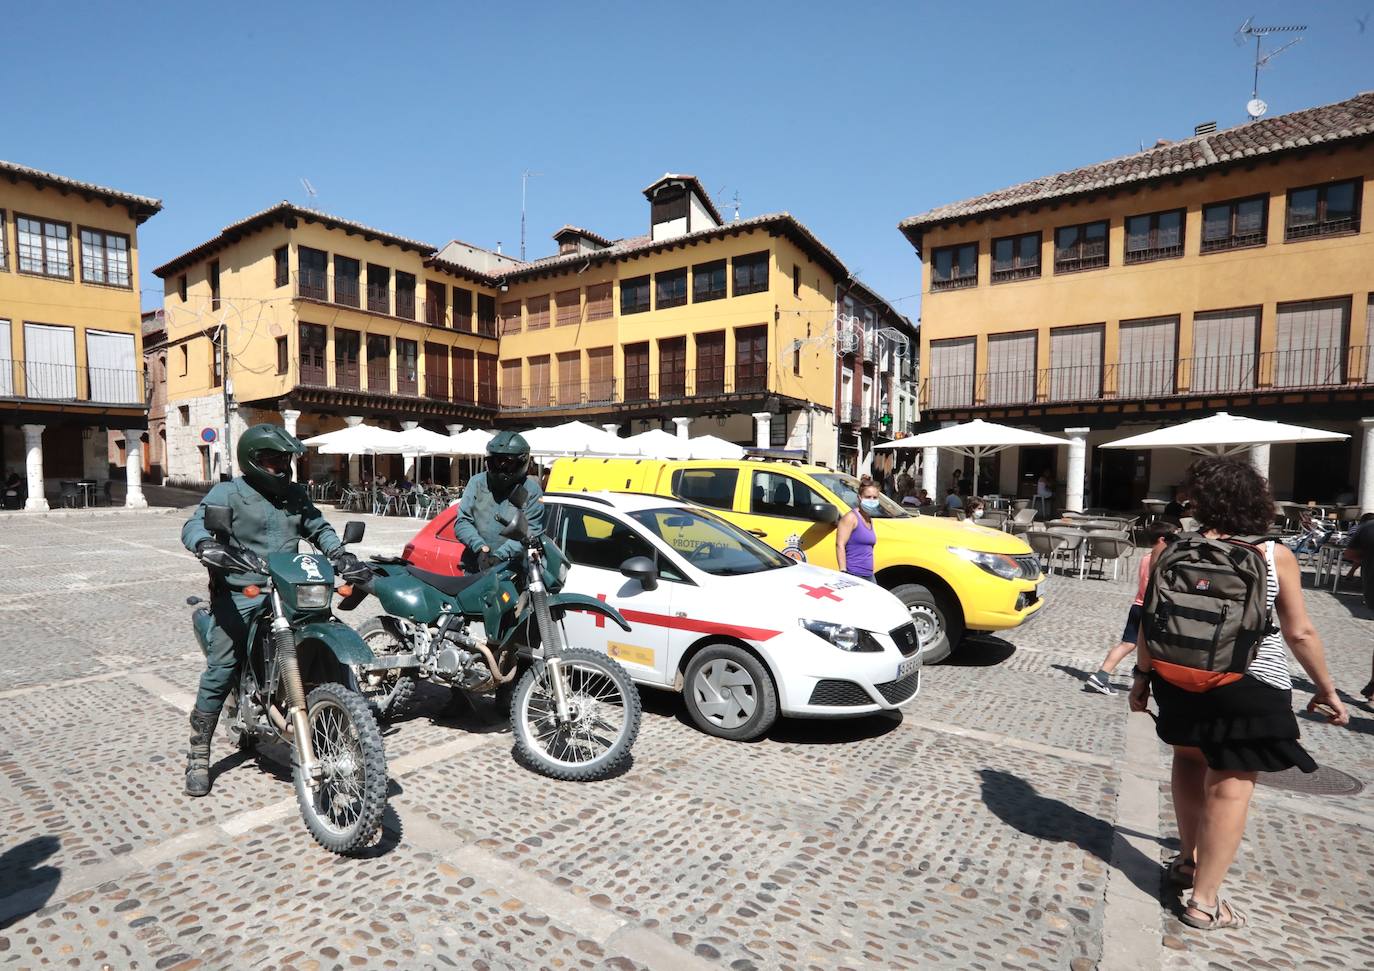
point(658, 444)
point(362, 439)
point(711, 447)
point(421, 442)
point(1225, 434)
point(576, 438)
point(471, 442)
point(975, 439)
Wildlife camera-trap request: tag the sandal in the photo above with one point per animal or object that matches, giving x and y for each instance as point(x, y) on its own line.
point(1368, 691)
point(1174, 872)
point(1212, 920)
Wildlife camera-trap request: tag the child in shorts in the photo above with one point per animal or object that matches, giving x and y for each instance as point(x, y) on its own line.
point(1159, 535)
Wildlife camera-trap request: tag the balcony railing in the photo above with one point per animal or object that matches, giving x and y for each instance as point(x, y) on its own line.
point(44, 381)
point(1307, 368)
point(666, 386)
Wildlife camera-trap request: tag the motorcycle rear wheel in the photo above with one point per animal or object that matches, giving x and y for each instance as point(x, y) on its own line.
point(344, 811)
point(391, 698)
point(605, 708)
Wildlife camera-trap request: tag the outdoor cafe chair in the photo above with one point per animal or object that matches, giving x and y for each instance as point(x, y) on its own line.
point(1107, 545)
point(1044, 545)
point(1021, 522)
point(70, 497)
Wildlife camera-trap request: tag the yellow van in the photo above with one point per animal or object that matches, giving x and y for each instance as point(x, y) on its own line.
point(953, 576)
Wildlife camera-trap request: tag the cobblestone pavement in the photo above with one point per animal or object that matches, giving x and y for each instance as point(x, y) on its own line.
point(1008, 819)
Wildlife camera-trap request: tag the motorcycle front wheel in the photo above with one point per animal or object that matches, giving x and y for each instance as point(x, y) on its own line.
point(603, 719)
point(343, 811)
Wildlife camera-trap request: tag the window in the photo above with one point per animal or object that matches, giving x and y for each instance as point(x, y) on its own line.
point(462, 310)
point(670, 288)
point(379, 363)
point(436, 303)
point(592, 540)
point(708, 281)
point(407, 364)
point(378, 289)
point(537, 313)
point(637, 372)
point(634, 295)
point(950, 381)
point(539, 381)
point(569, 304)
point(710, 373)
point(1231, 225)
point(436, 371)
point(405, 295)
point(464, 380)
point(216, 364)
point(1146, 353)
point(1311, 343)
point(954, 267)
point(181, 287)
point(1016, 258)
point(778, 494)
point(113, 374)
point(486, 380)
point(1157, 236)
point(1224, 350)
point(213, 275)
point(313, 339)
point(601, 374)
point(486, 315)
point(346, 271)
point(185, 360)
point(751, 359)
point(104, 258)
point(751, 273)
point(511, 394)
point(312, 273)
point(510, 317)
point(283, 360)
point(1076, 363)
point(796, 280)
point(346, 344)
point(599, 301)
point(569, 378)
point(1011, 368)
point(672, 367)
point(281, 262)
point(668, 204)
point(44, 247)
point(1082, 247)
point(184, 413)
point(1325, 210)
point(706, 487)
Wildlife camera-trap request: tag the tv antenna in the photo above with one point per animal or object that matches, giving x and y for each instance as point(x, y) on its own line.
point(525, 177)
point(1255, 108)
point(309, 187)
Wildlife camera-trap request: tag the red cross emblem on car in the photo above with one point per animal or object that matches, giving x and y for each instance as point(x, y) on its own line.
point(820, 593)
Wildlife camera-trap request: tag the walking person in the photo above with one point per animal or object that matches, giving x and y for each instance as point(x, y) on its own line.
point(1227, 725)
point(1159, 534)
point(855, 537)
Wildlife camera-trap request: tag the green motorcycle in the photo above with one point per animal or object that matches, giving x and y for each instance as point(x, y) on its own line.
point(298, 687)
point(574, 711)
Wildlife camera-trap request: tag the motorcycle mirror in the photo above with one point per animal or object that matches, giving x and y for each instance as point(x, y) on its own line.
point(353, 532)
point(641, 568)
point(518, 528)
point(218, 519)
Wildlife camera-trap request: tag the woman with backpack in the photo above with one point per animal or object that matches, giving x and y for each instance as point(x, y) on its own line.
point(1216, 664)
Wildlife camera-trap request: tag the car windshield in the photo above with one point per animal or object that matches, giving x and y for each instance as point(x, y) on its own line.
point(847, 488)
point(710, 544)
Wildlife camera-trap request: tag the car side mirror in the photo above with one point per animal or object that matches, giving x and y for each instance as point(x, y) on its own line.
point(641, 568)
point(353, 531)
point(218, 519)
point(824, 512)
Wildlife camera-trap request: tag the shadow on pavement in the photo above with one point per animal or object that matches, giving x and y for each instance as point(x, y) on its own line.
point(825, 731)
point(983, 651)
point(27, 885)
point(1015, 801)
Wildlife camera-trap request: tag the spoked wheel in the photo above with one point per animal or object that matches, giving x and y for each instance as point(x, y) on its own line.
point(388, 694)
point(603, 708)
point(344, 809)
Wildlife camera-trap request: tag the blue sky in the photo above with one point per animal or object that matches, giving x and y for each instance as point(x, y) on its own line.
point(419, 117)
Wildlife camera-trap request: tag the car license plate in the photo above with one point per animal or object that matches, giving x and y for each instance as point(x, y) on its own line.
point(908, 666)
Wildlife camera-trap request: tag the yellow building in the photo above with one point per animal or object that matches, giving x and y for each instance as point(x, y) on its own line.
point(323, 322)
point(1230, 270)
point(69, 334)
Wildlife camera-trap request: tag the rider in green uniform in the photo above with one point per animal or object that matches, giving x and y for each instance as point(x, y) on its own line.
point(271, 514)
point(493, 492)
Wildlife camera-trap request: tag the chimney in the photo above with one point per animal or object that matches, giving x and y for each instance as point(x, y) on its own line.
point(1206, 128)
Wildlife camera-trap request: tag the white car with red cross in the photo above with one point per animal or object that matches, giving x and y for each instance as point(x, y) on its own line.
point(743, 632)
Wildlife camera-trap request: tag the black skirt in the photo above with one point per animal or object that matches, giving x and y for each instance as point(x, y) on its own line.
point(1245, 726)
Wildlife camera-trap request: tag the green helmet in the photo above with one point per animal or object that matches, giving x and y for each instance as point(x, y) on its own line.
point(269, 473)
point(508, 460)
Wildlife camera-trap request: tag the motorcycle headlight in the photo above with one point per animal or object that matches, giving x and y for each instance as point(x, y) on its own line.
point(998, 564)
point(843, 636)
point(312, 595)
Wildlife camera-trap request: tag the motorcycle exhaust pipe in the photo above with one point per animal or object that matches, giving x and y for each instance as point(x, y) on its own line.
point(285, 640)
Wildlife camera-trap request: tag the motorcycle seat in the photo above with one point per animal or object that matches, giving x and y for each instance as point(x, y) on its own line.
point(444, 583)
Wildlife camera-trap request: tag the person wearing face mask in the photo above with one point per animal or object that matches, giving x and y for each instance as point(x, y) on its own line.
point(855, 537)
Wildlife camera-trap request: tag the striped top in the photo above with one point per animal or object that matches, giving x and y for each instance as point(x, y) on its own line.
point(1271, 661)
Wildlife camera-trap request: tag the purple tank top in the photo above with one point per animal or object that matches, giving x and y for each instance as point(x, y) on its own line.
point(858, 549)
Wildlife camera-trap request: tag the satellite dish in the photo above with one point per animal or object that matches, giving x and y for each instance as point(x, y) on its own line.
point(1255, 107)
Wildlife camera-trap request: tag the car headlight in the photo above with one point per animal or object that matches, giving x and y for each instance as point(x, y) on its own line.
point(843, 636)
point(310, 595)
point(998, 564)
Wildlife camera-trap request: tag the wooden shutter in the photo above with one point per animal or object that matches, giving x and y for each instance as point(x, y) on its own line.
point(1076, 363)
point(511, 394)
point(510, 317)
point(346, 372)
point(569, 306)
point(537, 311)
point(539, 379)
point(49, 361)
point(951, 372)
point(464, 387)
point(601, 374)
point(1368, 340)
point(599, 306)
point(751, 359)
point(672, 367)
point(462, 310)
point(710, 373)
point(112, 371)
point(569, 375)
point(1146, 355)
point(436, 371)
point(637, 371)
point(486, 379)
point(1224, 350)
point(1310, 349)
point(7, 364)
point(1011, 368)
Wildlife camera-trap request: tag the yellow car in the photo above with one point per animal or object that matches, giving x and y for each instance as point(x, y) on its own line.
point(953, 576)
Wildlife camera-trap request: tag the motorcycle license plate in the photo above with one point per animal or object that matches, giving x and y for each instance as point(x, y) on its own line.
point(908, 667)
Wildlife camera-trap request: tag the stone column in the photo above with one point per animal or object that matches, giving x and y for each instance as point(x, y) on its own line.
point(452, 430)
point(289, 417)
point(613, 428)
point(1078, 466)
point(33, 460)
point(1259, 456)
point(684, 427)
point(1367, 466)
point(355, 463)
point(930, 472)
point(133, 469)
point(763, 429)
point(412, 459)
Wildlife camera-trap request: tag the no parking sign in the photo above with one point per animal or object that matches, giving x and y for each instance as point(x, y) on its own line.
point(208, 435)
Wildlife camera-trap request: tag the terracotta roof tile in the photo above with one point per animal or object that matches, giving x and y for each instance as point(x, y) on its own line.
point(147, 205)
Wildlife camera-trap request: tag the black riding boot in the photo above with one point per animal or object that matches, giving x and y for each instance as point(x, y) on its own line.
point(198, 755)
